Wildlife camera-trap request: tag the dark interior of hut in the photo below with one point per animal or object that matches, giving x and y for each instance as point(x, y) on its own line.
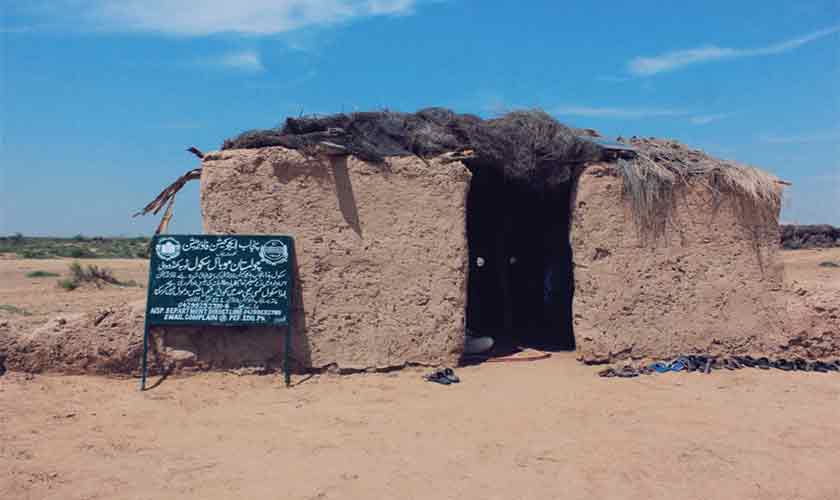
point(520, 273)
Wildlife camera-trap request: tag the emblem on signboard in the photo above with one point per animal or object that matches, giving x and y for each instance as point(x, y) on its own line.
point(274, 252)
point(168, 248)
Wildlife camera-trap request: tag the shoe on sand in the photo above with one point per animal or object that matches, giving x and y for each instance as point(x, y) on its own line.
point(437, 377)
point(660, 367)
point(477, 345)
point(449, 373)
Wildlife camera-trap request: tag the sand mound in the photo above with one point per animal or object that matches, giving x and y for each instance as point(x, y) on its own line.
point(110, 341)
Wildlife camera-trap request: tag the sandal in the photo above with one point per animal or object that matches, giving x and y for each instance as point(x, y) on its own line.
point(437, 377)
point(731, 364)
point(821, 367)
point(627, 372)
point(679, 364)
point(449, 373)
point(763, 363)
point(660, 367)
point(783, 364)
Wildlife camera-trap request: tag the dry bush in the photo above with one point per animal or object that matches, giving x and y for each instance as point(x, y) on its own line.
point(91, 274)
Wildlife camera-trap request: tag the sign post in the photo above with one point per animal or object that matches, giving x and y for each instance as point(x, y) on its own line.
point(224, 280)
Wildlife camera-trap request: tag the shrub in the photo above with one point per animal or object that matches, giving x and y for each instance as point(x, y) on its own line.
point(33, 254)
point(41, 274)
point(91, 274)
point(79, 253)
point(68, 284)
point(14, 309)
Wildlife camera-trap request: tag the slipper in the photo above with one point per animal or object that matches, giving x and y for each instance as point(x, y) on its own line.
point(800, 364)
point(697, 363)
point(450, 375)
point(763, 363)
point(747, 361)
point(690, 363)
point(660, 367)
point(731, 364)
point(707, 367)
point(678, 365)
point(821, 367)
point(627, 372)
point(783, 364)
point(833, 366)
point(646, 370)
point(437, 377)
point(608, 372)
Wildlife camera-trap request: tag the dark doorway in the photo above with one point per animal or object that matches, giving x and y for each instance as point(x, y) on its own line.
point(520, 273)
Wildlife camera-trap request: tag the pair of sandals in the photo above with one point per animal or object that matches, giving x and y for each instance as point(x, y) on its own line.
point(706, 364)
point(807, 366)
point(681, 364)
point(625, 372)
point(445, 376)
point(749, 362)
point(797, 364)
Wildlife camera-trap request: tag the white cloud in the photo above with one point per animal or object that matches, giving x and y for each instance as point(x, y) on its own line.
point(671, 61)
point(617, 112)
point(246, 60)
point(208, 17)
point(706, 119)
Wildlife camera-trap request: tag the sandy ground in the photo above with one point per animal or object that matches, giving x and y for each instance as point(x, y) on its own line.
point(42, 299)
point(540, 430)
point(802, 266)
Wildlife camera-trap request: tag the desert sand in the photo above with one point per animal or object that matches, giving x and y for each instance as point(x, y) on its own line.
point(539, 430)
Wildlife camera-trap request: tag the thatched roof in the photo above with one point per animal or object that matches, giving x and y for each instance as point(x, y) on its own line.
point(530, 147)
point(661, 166)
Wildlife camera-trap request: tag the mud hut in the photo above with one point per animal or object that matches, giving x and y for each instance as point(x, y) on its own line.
point(411, 227)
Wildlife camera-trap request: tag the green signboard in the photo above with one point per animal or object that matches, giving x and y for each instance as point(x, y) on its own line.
point(220, 280)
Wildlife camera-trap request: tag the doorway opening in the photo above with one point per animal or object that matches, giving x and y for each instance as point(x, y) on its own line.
point(520, 282)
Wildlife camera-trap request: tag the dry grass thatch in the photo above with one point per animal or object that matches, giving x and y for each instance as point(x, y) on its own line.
point(660, 167)
point(167, 198)
point(529, 147)
point(526, 146)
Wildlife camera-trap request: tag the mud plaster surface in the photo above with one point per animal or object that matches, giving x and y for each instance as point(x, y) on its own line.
point(699, 290)
point(712, 284)
point(381, 249)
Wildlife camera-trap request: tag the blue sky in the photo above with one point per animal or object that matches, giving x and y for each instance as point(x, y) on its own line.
point(101, 97)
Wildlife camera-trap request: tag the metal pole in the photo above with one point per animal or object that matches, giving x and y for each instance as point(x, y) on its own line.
point(286, 351)
point(145, 354)
point(290, 330)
